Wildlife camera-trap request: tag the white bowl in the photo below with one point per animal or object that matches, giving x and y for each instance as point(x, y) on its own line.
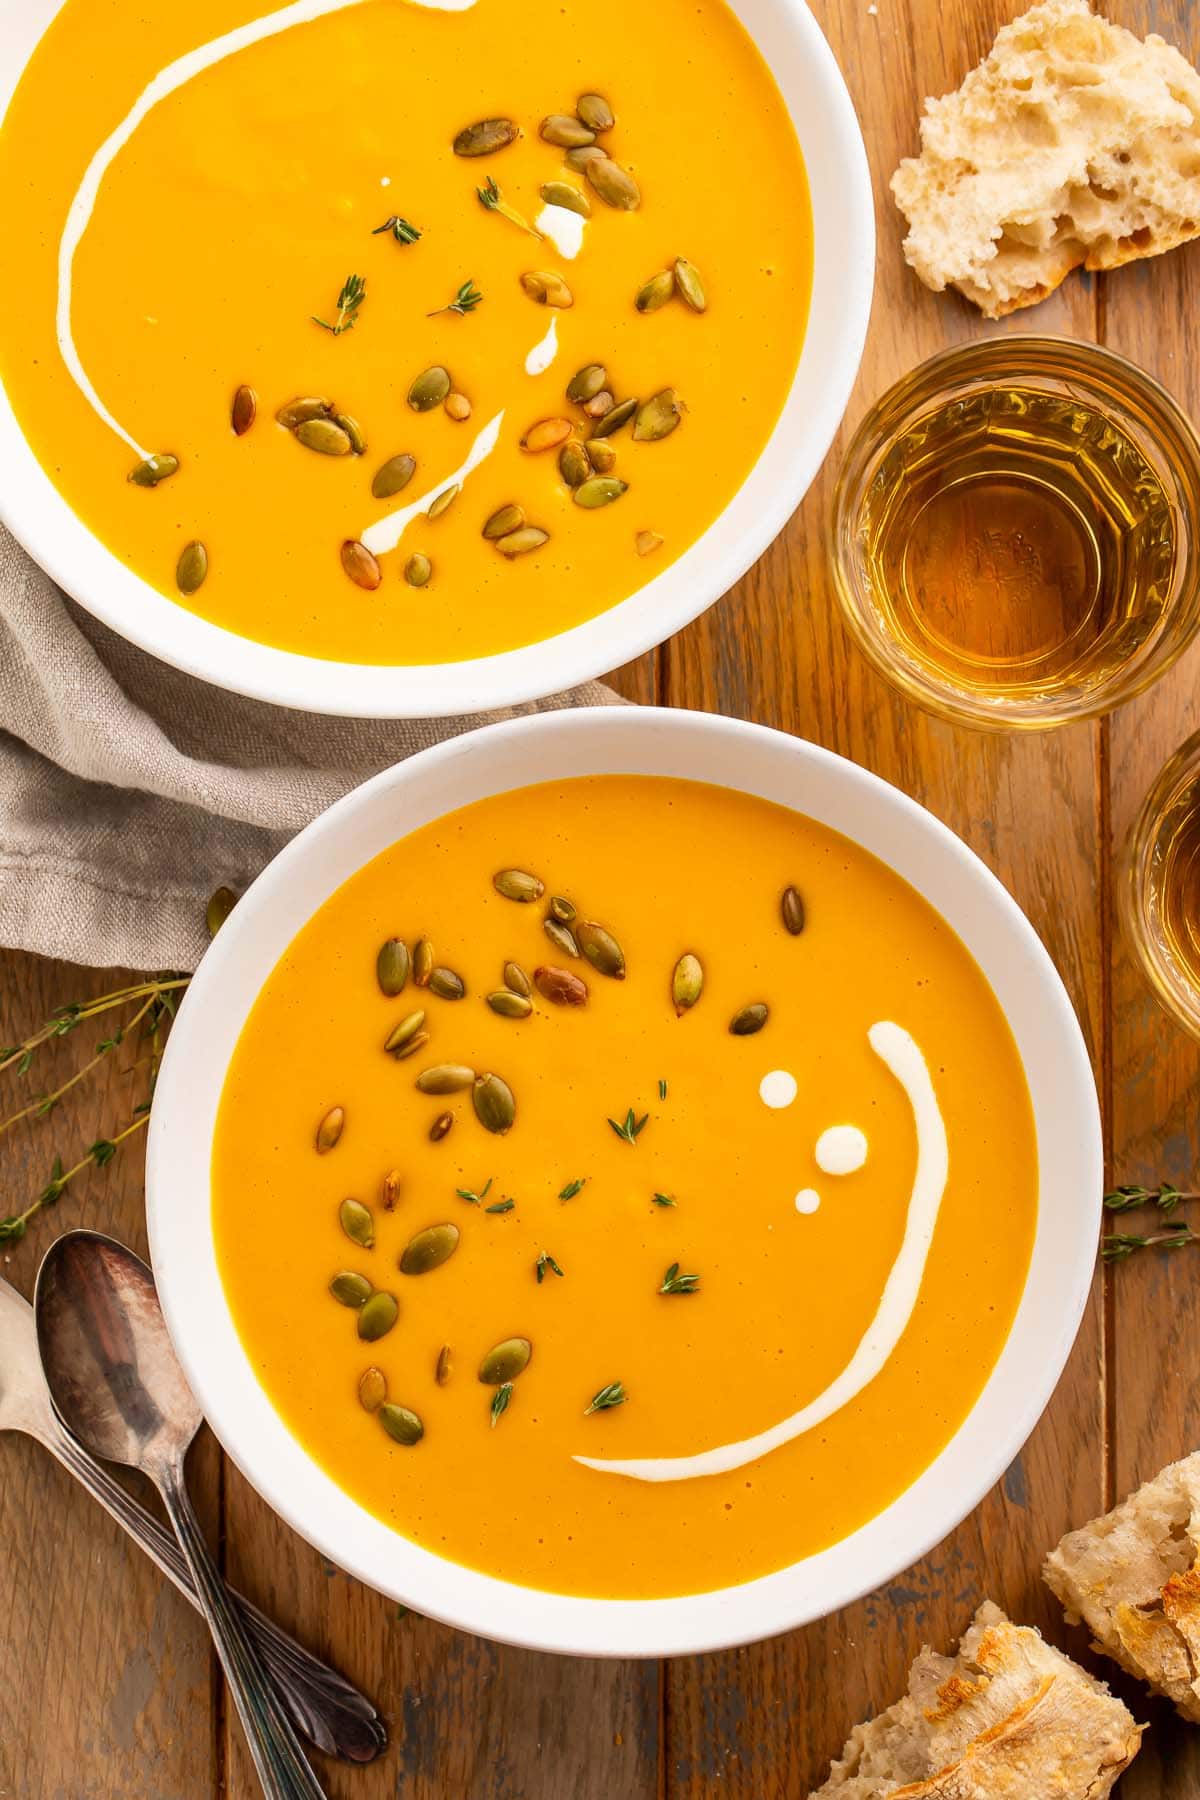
point(753, 760)
point(844, 234)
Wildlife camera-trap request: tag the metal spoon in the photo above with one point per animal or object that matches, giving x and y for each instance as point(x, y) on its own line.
point(320, 1703)
point(117, 1385)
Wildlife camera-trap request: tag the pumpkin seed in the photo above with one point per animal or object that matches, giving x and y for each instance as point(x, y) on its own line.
point(560, 936)
point(573, 464)
point(520, 543)
point(400, 1034)
point(441, 1127)
point(562, 909)
point(153, 469)
point(504, 520)
point(505, 1361)
point(485, 137)
point(330, 1129)
point(353, 431)
point(599, 490)
point(359, 564)
point(447, 984)
point(656, 292)
point(305, 406)
point(417, 1042)
point(595, 112)
point(441, 1373)
point(429, 389)
point(391, 1189)
point(791, 909)
point(691, 288)
point(356, 1221)
point(615, 185)
point(657, 417)
point(586, 381)
point(749, 1020)
point(518, 884)
point(391, 967)
point(323, 436)
point(600, 405)
point(571, 199)
point(418, 570)
point(561, 987)
point(401, 1424)
point(422, 962)
point(495, 1105)
point(220, 904)
point(395, 474)
point(647, 542)
point(509, 1005)
point(547, 288)
point(516, 980)
point(377, 1316)
point(547, 434)
point(350, 1289)
point(444, 501)
point(613, 421)
point(687, 983)
point(601, 455)
point(578, 160)
point(567, 132)
point(457, 407)
point(244, 410)
point(372, 1389)
point(429, 1249)
point(192, 567)
point(601, 949)
point(445, 1078)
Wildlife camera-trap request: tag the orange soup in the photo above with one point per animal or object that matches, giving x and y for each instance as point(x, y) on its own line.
point(563, 1164)
point(388, 332)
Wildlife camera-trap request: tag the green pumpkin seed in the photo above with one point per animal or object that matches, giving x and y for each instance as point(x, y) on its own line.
point(356, 1221)
point(595, 112)
point(350, 1289)
point(394, 475)
point(441, 1373)
point(613, 421)
point(510, 1005)
point(495, 1106)
point(578, 160)
point(504, 520)
point(323, 436)
point(417, 1042)
point(372, 1389)
point(749, 1020)
point(429, 389)
point(330, 1129)
point(417, 570)
point(601, 455)
point(422, 962)
point(656, 292)
point(547, 288)
point(220, 904)
point(587, 382)
point(391, 967)
point(192, 567)
point(601, 949)
point(687, 983)
point(691, 288)
point(791, 910)
point(485, 137)
point(429, 1249)
point(402, 1033)
point(353, 431)
point(573, 464)
point(401, 1424)
point(244, 410)
point(657, 417)
point(377, 1316)
point(561, 987)
point(562, 909)
point(516, 980)
point(390, 1189)
point(359, 564)
point(520, 543)
point(505, 1361)
point(518, 884)
point(599, 490)
point(447, 984)
point(560, 936)
point(615, 185)
point(567, 132)
point(305, 406)
point(153, 469)
point(443, 502)
point(441, 1127)
point(445, 1078)
point(571, 199)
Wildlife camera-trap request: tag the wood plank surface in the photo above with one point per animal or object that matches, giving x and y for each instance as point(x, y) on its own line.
point(107, 1685)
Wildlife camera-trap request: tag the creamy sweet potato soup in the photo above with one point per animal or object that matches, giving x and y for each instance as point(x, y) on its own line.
point(625, 1186)
point(398, 330)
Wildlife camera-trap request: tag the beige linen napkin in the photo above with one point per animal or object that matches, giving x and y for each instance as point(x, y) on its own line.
point(129, 791)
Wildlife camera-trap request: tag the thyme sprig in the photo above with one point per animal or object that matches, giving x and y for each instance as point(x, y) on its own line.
point(500, 1401)
point(1118, 1245)
point(493, 200)
point(612, 1395)
point(400, 229)
point(466, 300)
point(675, 1283)
point(473, 1198)
point(1166, 1197)
point(631, 1127)
point(545, 1265)
point(572, 1188)
point(354, 292)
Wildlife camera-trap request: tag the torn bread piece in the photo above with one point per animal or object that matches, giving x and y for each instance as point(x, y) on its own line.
point(1073, 142)
point(1008, 1718)
point(1133, 1579)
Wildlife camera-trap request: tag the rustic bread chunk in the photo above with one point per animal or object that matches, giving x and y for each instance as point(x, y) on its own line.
point(1132, 1578)
point(1008, 1718)
point(1072, 142)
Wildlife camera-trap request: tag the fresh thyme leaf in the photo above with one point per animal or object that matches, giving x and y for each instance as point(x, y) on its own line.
point(630, 1127)
point(102, 1152)
point(491, 198)
point(572, 1188)
point(1166, 1197)
point(400, 229)
point(500, 1206)
point(662, 1200)
point(12, 1229)
point(675, 1283)
point(475, 1199)
point(546, 1264)
point(354, 292)
point(500, 1400)
point(662, 1090)
point(24, 1065)
point(1118, 1245)
point(465, 301)
point(612, 1395)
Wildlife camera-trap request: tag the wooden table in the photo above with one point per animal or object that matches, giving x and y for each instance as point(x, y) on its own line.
point(107, 1684)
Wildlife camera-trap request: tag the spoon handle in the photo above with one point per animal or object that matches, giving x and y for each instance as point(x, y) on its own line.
point(322, 1704)
point(283, 1769)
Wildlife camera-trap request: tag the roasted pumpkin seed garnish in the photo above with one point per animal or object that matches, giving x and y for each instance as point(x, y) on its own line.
point(429, 389)
point(547, 288)
point(560, 986)
point(547, 434)
point(443, 501)
point(353, 431)
point(573, 464)
point(510, 1005)
point(516, 979)
point(350, 1288)
point(687, 982)
point(615, 185)
point(324, 436)
point(244, 410)
point(418, 570)
point(495, 1105)
point(360, 565)
point(330, 1129)
point(656, 292)
point(401, 1423)
point(442, 1370)
point(567, 132)
point(691, 288)
point(356, 1221)
point(304, 406)
point(520, 543)
point(422, 961)
point(518, 884)
point(601, 455)
point(791, 910)
point(485, 137)
point(658, 416)
point(372, 1389)
point(391, 967)
point(505, 1361)
point(595, 112)
point(191, 570)
point(614, 419)
point(153, 469)
point(560, 936)
point(586, 382)
point(394, 475)
point(429, 1249)
point(447, 984)
point(601, 949)
point(571, 199)
point(562, 909)
point(599, 490)
point(600, 405)
point(578, 160)
point(749, 1020)
point(441, 1127)
point(390, 1189)
point(401, 1034)
point(504, 520)
point(410, 1047)
point(457, 407)
point(445, 1078)
point(377, 1316)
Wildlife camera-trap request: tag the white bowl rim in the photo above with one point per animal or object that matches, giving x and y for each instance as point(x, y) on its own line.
point(1013, 1398)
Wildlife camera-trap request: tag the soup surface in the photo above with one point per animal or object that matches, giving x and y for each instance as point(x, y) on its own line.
point(688, 1228)
point(215, 233)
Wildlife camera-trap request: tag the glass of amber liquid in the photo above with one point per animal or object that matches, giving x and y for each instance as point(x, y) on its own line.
point(1159, 886)
point(1015, 532)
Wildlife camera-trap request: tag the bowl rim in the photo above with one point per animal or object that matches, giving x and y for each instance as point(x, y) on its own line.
point(41, 520)
point(179, 1202)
